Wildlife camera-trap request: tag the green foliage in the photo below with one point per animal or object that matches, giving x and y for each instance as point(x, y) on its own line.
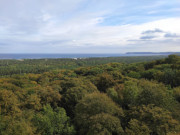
point(11, 67)
point(91, 107)
point(112, 93)
point(172, 59)
point(51, 122)
point(110, 99)
point(130, 93)
point(154, 93)
point(104, 123)
point(74, 94)
point(89, 71)
point(134, 75)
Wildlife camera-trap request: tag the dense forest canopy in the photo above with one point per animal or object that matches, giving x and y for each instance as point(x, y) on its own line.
point(10, 67)
point(108, 96)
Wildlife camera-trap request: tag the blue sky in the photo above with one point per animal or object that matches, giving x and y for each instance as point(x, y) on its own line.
point(89, 26)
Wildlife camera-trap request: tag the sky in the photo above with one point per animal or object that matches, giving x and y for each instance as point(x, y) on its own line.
point(89, 26)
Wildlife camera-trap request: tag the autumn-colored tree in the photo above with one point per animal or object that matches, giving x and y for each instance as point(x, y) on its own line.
point(33, 101)
point(136, 127)
point(104, 82)
point(49, 96)
point(101, 99)
point(176, 94)
point(9, 103)
point(16, 126)
point(158, 120)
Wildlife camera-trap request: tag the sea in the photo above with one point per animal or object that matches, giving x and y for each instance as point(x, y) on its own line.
point(55, 56)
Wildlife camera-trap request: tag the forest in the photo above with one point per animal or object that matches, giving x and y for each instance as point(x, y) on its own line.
point(9, 67)
point(98, 96)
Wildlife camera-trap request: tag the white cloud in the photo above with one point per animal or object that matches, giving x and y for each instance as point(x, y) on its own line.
point(58, 24)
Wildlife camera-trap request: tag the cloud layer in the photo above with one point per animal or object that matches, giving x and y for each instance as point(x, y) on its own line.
point(84, 26)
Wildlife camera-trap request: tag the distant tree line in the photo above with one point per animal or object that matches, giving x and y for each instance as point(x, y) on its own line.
point(10, 67)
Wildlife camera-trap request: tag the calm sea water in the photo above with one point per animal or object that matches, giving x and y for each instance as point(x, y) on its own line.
point(42, 56)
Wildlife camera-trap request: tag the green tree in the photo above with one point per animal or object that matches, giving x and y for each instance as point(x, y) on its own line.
point(91, 107)
point(112, 93)
point(73, 95)
point(130, 93)
point(52, 122)
point(104, 124)
point(154, 93)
